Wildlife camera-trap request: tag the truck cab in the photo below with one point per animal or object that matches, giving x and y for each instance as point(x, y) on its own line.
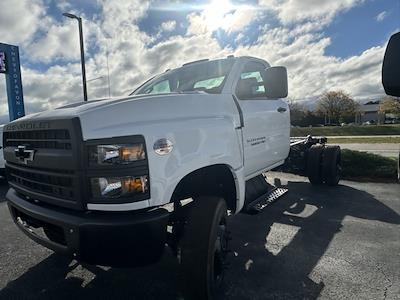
point(102, 181)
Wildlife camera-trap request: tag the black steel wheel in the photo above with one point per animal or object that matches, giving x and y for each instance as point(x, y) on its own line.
point(331, 165)
point(203, 248)
point(314, 161)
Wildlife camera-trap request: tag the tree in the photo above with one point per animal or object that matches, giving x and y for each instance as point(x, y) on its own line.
point(390, 105)
point(336, 106)
point(297, 112)
point(301, 116)
point(312, 119)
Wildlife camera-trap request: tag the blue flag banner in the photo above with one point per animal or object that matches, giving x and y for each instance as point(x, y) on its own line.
point(10, 66)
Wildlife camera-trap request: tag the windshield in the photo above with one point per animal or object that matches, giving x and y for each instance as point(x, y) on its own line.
point(207, 76)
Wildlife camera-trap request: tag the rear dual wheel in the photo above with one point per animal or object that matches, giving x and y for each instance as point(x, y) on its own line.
point(324, 164)
point(331, 165)
point(314, 162)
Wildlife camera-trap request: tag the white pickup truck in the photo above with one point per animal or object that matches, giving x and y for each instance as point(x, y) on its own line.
point(112, 182)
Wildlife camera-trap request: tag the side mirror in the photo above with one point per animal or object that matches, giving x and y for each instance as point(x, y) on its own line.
point(276, 83)
point(391, 66)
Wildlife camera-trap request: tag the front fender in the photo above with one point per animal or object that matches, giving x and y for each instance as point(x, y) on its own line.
point(202, 128)
point(200, 143)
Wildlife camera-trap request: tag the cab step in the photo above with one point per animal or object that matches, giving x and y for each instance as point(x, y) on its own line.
point(260, 194)
point(265, 200)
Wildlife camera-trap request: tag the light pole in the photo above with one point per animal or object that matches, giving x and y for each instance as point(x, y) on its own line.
point(79, 19)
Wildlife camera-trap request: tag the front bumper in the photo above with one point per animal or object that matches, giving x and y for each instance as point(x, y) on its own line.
point(118, 239)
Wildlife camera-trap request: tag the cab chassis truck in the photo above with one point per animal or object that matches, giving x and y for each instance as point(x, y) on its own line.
point(113, 182)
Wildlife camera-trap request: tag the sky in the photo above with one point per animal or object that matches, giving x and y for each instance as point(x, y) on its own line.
point(325, 45)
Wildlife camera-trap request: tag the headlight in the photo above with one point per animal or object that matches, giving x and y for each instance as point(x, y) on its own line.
point(116, 154)
point(116, 187)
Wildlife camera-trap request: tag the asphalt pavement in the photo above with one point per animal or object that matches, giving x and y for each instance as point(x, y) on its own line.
point(314, 242)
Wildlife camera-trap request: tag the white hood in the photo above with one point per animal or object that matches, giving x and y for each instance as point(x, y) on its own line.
point(129, 115)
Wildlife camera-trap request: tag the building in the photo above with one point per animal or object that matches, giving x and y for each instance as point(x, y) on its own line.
point(369, 112)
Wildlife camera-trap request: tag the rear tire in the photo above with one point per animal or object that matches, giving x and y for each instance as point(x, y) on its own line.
point(314, 161)
point(203, 248)
point(331, 165)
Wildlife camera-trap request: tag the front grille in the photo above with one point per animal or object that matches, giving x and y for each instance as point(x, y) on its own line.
point(57, 185)
point(53, 173)
point(43, 139)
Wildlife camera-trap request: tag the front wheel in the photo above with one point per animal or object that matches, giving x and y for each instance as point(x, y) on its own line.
point(203, 248)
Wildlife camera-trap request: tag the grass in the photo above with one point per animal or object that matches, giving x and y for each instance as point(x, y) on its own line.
point(366, 166)
point(347, 130)
point(366, 140)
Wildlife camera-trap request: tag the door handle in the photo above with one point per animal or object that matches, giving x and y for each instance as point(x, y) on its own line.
point(281, 109)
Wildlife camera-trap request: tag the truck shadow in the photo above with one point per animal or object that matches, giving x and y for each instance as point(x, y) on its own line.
point(277, 250)
point(279, 270)
point(57, 277)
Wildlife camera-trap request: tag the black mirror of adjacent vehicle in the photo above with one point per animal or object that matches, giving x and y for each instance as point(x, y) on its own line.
point(276, 83)
point(391, 66)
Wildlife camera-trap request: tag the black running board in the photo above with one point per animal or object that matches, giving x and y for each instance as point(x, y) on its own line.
point(264, 200)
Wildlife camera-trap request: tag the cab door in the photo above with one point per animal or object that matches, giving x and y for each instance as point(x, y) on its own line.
point(266, 128)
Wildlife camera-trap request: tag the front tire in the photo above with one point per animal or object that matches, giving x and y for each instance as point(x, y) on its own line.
point(203, 248)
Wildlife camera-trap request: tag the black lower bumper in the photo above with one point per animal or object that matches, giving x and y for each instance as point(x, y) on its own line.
point(119, 239)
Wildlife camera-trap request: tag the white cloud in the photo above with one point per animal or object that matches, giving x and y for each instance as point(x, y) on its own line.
point(242, 17)
point(301, 48)
point(197, 24)
point(45, 90)
point(19, 20)
point(168, 25)
point(229, 18)
point(55, 87)
point(381, 16)
point(60, 42)
point(311, 71)
point(239, 37)
point(298, 42)
point(117, 13)
point(63, 5)
point(290, 11)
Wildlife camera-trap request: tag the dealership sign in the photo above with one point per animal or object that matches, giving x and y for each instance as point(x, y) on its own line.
point(2, 62)
point(10, 66)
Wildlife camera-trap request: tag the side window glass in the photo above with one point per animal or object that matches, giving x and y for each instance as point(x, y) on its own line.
point(209, 83)
point(251, 84)
point(260, 89)
point(159, 88)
